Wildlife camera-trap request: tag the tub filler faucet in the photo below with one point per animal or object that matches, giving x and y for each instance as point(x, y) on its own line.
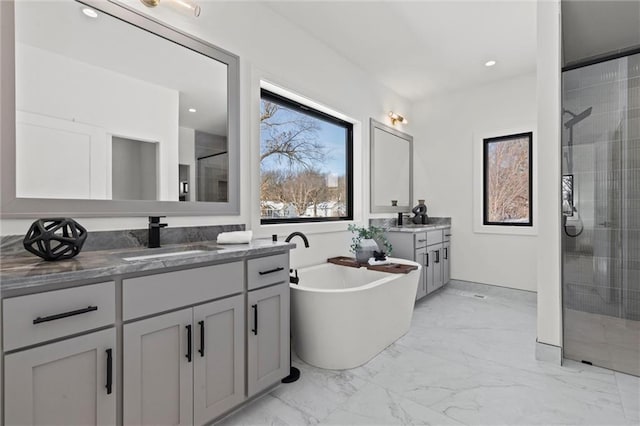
point(294, 373)
point(298, 234)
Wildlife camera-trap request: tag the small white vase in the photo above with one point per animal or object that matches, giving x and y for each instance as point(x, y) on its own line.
point(366, 250)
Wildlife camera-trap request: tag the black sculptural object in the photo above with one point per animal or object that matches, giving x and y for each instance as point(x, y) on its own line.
point(420, 212)
point(55, 238)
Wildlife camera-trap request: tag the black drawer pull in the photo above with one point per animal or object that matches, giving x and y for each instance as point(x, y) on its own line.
point(65, 314)
point(446, 253)
point(254, 330)
point(421, 241)
point(201, 350)
point(427, 259)
point(437, 256)
point(109, 372)
point(188, 355)
point(271, 271)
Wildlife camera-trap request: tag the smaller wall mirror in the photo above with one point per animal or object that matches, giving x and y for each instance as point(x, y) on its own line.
point(391, 169)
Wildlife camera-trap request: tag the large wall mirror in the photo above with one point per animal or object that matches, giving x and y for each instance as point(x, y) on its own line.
point(391, 169)
point(115, 114)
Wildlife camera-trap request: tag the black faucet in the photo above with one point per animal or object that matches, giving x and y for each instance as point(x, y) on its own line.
point(294, 279)
point(298, 234)
point(154, 231)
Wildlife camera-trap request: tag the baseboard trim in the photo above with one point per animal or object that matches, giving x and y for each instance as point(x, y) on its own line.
point(548, 353)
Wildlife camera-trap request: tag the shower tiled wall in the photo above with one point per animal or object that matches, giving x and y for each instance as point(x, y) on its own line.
point(601, 265)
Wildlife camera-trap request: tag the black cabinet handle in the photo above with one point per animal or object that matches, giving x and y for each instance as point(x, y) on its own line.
point(446, 253)
point(437, 256)
point(188, 355)
point(271, 271)
point(427, 259)
point(109, 371)
point(201, 350)
point(65, 314)
point(421, 241)
point(254, 330)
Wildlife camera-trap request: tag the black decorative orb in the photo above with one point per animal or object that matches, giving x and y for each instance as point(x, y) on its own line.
point(55, 238)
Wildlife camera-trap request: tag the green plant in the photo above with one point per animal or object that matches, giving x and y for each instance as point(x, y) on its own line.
point(370, 233)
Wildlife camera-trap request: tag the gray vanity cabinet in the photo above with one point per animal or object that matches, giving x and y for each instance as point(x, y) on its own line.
point(184, 367)
point(63, 383)
point(218, 368)
point(157, 376)
point(430, 248)
point(268, 339)
point(421, 257)
point(434, 271)
point(187, 366)
point(50, 377)
point(446, 267)
point(267, 327)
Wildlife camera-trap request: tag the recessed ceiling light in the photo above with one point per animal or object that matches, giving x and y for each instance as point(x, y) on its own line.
point(90, 12)
point(490, 63)
point(192, 110)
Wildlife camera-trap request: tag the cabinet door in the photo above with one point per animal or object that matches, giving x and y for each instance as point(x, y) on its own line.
point(71, 382)
point(268, 337)
point(432, 268)
point(438, 259)
point(446, 268)
point(218, 374)
point(157, 375)
point(421, 257)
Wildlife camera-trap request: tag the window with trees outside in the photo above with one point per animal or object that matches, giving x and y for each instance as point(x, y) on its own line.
point(306, 172)
point(507, 185)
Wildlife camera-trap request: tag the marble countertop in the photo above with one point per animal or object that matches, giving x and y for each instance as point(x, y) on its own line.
point(417, 228)
point(25, 273)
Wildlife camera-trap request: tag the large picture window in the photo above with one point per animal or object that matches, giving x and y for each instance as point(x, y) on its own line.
point(507, 185)
point(306, 157)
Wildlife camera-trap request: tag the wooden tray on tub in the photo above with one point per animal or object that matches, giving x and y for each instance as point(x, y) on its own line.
point(345, 261)
point(393, 268)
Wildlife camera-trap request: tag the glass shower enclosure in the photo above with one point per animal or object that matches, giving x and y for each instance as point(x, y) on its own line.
point(601, 214)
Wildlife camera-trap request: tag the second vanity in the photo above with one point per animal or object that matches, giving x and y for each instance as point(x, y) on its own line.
point(177, 339)
point(429, 245)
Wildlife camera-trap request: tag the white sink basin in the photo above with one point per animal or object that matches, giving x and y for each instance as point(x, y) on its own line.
point(155, 256)
point(146, 254)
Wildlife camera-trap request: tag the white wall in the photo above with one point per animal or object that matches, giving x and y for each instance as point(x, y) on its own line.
point(548, 101)
point(447, 127)
point(128, 107)
point(274, 49)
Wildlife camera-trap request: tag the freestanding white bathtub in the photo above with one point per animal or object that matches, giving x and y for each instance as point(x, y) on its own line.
point(341, 317)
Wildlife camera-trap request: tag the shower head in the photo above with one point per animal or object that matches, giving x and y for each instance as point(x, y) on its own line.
point(576, 118)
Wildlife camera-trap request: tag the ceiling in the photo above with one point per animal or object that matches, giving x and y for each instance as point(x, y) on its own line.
point(594, 28)
point(419, 48)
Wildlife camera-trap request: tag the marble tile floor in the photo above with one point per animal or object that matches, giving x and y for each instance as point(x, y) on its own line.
point(465, 361)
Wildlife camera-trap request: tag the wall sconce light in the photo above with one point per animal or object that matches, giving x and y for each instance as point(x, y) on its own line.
point(189, 7)
point(184, 187)
point(397, 118)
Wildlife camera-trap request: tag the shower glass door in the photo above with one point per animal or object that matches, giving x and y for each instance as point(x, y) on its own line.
point(601, 214)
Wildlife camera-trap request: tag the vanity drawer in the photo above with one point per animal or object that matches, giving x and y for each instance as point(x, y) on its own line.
point(434, 237)
point(50, 315)
point(420, 239)
point(446, 234)
point(265, 271)
point(152, 294)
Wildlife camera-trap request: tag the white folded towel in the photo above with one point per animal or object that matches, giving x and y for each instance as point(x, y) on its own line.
point(235, 237)
point(373, 261)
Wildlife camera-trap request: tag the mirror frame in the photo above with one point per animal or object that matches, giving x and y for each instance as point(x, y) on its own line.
point(373, 125)
point(13, 207)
